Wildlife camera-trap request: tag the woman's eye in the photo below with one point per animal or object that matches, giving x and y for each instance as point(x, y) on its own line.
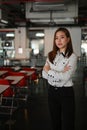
point(59, 38)
point(62, 37)
point(56, 38)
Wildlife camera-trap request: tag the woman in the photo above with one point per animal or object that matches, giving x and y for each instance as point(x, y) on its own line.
point(59, 69)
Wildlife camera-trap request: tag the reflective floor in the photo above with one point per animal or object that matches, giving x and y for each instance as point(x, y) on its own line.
point(35, 114)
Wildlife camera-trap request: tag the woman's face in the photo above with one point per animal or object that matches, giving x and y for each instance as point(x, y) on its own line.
point(61, 41)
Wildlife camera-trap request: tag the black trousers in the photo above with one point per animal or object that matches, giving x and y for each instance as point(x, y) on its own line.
point(62, 107)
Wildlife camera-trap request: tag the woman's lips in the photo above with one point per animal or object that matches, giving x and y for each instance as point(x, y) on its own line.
point(59, 44)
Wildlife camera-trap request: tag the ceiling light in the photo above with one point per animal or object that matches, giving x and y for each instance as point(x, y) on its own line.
point(39, 34)
point(10, 35)
point(4, 21)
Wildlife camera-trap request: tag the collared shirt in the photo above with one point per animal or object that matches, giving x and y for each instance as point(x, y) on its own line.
point(55, 76)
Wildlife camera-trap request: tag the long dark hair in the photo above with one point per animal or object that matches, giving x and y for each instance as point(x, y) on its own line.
point(69, 49)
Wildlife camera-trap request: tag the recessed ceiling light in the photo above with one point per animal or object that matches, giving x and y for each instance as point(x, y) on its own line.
point(10, 35)
point(39, 34)
point(4, 21)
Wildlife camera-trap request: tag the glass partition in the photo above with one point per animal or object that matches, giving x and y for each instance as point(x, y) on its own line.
point(36, 45)
point(36, 41)
point(84, 42)
point(7, 49)
point(7, 43)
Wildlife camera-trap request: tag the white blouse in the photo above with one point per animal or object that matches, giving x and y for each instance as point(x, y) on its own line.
point(56, 77)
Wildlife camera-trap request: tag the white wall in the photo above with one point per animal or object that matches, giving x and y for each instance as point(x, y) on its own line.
point(76, 39)
point(20, 41)
point(48, 40)
point(75, 35)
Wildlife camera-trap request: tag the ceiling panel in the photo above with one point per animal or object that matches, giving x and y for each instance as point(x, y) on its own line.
point(44, 11)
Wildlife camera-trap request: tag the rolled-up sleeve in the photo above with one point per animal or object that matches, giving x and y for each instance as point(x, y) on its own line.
point(44, 75)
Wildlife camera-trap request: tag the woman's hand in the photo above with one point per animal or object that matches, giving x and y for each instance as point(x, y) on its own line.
point(66, 68)
point(46, 68)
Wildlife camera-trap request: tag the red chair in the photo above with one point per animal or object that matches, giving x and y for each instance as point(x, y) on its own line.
point(7, 106)
point(34, 75)
point(5, 69)
point(21, 90)
point(8, 92)
point(23, 82)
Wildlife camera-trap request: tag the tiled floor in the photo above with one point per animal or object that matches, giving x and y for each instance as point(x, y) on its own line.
point(35, 114)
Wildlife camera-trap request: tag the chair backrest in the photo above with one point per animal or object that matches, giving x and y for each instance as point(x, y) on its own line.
point(23, 82)
point(34, 75)
point(31, 69)
point(6, 68)
point(4, 82)
point(8, 92)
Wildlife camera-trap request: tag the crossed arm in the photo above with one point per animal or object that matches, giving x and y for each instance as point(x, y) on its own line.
point(60, 77)
point(46, 68)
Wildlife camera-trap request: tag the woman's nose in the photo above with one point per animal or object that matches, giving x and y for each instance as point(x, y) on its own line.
point(59, 39)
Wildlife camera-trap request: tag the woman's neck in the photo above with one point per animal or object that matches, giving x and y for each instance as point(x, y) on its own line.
point(62, 50)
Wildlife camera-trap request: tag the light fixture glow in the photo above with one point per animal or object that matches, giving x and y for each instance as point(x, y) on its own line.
point(39, 34)
point(10, 35)
point(4, 21)
point(36, 51)
point(20, 50)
